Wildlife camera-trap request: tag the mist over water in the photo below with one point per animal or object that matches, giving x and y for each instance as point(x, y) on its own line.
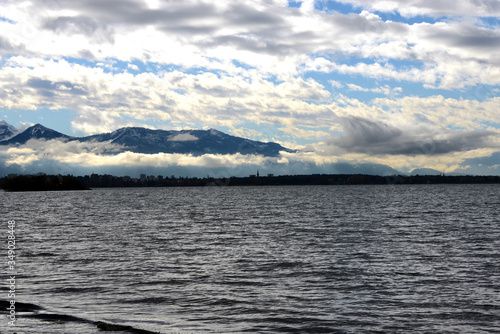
point(304, 259)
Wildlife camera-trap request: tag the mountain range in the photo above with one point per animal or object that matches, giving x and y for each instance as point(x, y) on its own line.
point(142, 140)
point(194, 142)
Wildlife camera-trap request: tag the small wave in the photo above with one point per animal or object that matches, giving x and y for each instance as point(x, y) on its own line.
point(54, 317)
point(224, 302)
point(32, 311)
point(148, 300)
point(245, 283)
point(289, 264)
point(173, 281)
point(34, 254)
point(81, 290)
point(21, 307)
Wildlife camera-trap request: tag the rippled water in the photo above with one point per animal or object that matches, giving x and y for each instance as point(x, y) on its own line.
point(318, 259)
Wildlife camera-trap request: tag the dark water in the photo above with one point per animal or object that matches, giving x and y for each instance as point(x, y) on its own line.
point(319, 259)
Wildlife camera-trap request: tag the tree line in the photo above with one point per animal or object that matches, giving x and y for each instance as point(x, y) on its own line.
point(43, 182)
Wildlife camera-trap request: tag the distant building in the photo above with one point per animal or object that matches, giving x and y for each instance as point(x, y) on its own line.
point(270, 175)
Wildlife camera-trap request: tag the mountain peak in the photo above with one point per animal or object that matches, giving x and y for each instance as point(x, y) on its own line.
point(6, 130)
point(39, 126)
point(37, 131)
point(4, 123)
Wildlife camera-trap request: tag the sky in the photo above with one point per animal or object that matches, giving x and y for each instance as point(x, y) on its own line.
point(403, 83)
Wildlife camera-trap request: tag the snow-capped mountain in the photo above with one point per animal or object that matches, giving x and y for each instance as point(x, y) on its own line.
point(6, 130)
point(142, 140)
point(195, 142)
point(36, 131)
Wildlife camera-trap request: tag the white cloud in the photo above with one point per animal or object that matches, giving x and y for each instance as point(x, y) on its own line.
point(268, 36)
point(103, 99)
point(386, 89)
point(183, 137)
point(133, 67)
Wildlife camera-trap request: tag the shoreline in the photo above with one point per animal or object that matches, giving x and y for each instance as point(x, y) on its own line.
point(42, 182)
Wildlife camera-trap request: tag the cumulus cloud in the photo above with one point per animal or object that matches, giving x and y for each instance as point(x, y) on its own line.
point(268, 36)
point(102, 99)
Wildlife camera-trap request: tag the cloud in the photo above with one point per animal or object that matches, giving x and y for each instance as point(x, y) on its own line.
point(7, 46)
point(103, 99)
point(47, 88)
point(268, 36)
point(378, 138)
point(72, 25)
point(469, 114)
point(133, 67)
point(88, 154)
point(183, 137)
point(386, 89)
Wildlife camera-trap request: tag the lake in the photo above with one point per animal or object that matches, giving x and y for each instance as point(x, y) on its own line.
point(294, 259)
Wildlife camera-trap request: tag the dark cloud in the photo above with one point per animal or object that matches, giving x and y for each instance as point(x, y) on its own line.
point(261, 30)
point(79, 25)
point(244, 15)
point(464, 36)
point(130, 12)
point(8, 47)
point(362, 135)
point(48, 88)
point(86, 54)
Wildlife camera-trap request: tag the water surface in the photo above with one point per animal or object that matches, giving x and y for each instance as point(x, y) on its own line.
point(304, 259)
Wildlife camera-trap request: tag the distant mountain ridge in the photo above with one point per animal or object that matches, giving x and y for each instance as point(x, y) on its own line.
point(425, 171)
point(143, 140)
point(37, 131)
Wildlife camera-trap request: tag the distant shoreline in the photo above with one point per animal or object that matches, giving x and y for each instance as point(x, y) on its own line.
point(42, 182)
